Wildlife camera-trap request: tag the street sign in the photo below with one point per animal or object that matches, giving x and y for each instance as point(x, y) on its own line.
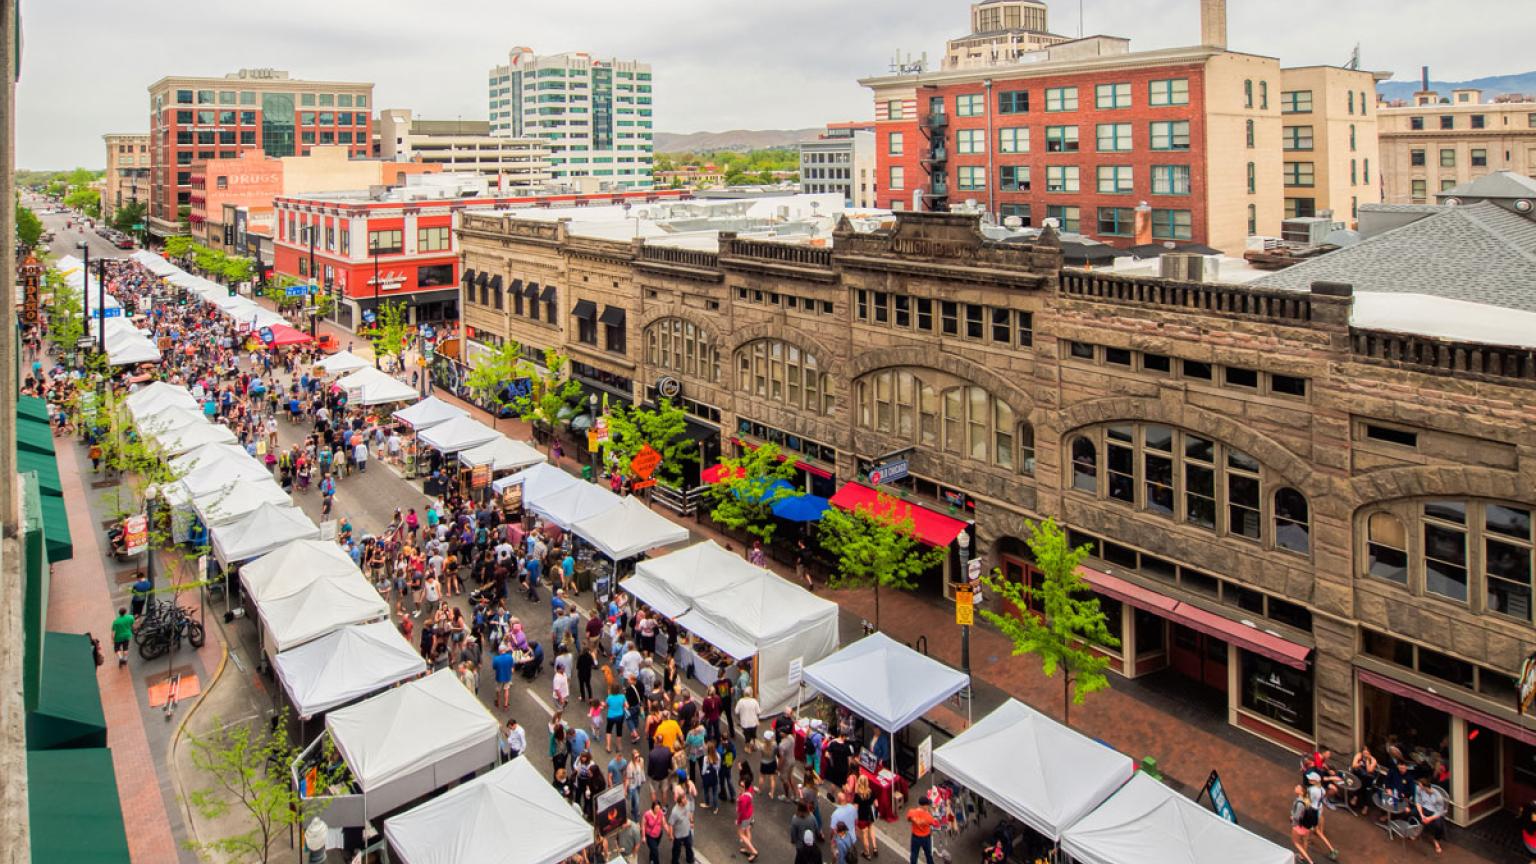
point(369, 316)
point(890, 472)
point(965, 610)
point(296, 290)
point(645, 462)
point(114, 312)
point(643, 484)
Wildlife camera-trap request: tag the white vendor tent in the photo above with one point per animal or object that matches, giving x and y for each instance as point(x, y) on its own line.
point(457, 433)
point(429, 412)
point(668, 583)
point(259, 532)
point(158, 394)
point(503, 454)
point(538, 481)
point(407, 742)
point(771, 619)
point(222, 469)
point(629, 529)
point(884, 681)
point(565, 507)
point(132, 349)
point(206, 455)
point(1037, 770)
point(1148, 823)
point(154, 263)
point(230, 503)
point(511, 815)
point(179, 441)
point(292, 567)
point(321, 605)
point(168, 419)
point(346, 665)
point(369, 386)
point(341, 363)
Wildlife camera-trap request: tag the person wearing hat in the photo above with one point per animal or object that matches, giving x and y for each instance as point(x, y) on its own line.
point(807, 850)
point(922, 830)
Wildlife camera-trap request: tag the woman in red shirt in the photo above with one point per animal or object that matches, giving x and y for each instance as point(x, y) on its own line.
point(744, 820)
point(652, 824)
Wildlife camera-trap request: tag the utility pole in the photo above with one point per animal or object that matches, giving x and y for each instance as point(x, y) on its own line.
point(314, 280)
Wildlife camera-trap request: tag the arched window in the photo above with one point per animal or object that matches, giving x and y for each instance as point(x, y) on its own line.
point(678, 346)
point(1248, 94)
point(1253, 219)
point(1026, 449)
point(1249, 132)
point(781, 372)
point(1386, 548)
point(1264, 95)
point(1085, 465)
point(1351, 137)
point(1293, 527)
point(967, 421)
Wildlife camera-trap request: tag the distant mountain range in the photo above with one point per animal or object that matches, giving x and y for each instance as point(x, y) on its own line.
point(1494, 85)
point(735, 139)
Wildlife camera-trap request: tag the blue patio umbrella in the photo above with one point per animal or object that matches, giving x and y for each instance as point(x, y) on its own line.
point(801, 508)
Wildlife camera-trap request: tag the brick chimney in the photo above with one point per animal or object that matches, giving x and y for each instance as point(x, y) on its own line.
point(1143, 224)
point(1213, 23)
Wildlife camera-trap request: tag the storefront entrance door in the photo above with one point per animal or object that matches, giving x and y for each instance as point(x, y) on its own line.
point(1199, 657)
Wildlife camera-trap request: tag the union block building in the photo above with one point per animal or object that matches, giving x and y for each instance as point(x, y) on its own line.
point(1319, 520)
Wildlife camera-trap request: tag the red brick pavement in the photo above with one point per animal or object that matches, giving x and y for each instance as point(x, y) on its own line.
point(81, 599)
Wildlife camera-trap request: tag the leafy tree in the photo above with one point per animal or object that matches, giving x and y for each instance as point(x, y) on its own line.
point(875, 546)
point(390, 330)
point(552, 392)
point(179, 246)
point(29, 228)
point(81, 177)
point(491, 373)
point(85, 199)
point(128, 216)
point(665, 428)
point(66, 323)
point(1070, 624)
point(235, 268)
point(743, 499)
point(247, 770)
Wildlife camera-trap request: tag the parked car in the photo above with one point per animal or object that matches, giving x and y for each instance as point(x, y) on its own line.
point(123, 241)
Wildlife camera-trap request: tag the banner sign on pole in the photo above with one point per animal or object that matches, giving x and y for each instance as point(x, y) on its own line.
point(924, 757)
point(135, 534)
point(266, 336)
point(965, 609)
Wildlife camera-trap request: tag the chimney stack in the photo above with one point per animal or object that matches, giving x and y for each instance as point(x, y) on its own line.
point(1424, 77)
point(1213, 24)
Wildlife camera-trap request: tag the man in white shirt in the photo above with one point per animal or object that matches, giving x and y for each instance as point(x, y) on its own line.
point(748, 713)
point(630, 662)
point(516, 741)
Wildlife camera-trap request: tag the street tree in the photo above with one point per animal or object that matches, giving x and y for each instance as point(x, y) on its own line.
point(1070, 623)
point(748, 488)
point(390, 330)
point(128, 217)
point(179, 246)
point(493, 375)
point(664, 428)
point(85, 199)
point(66, 321)
point(29, 228)
point(876, 544)
point(552, 394)
point(247, 773)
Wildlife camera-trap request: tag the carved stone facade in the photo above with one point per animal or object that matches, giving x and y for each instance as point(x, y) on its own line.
point(1241, 440)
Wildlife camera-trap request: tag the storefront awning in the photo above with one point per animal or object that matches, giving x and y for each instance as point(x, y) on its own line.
point(496, 282)
point(68, 712)
point(548, 296)
point(586, 310)
point(72, 807)
point(35, 452)
point(930, 526)
point(1276, 648)
point(482, 278)
point(715, 473)
point(531, 291)
point(1435, 700)
point(469, 277)
point(613, 316)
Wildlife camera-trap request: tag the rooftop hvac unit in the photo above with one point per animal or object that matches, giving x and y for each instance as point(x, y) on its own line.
point(1013, 223)
point(1188, 267)
point(1308, 231)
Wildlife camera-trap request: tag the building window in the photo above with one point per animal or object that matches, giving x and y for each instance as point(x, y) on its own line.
point(1365, 171)
point(1117, 221)
point(970, 105)
point(1172, 224)
point(1479, 159)
point(1061, 99)
point(1013, 102)
point(1264, 95)
point(1067, 218)
point(898, 178)
point(1114, 137)
point(781, 372)
point(1170, 179)
point(1447, 158)
point(1110, 96)
point(385, 242)
point(1416, 158)
point(1353, 173)
point(1387, 548)
point(1014, 140)
point(896, 144)
point(1013, 178)
point(1293, 529)
point(1447, 121)
point(1252, 178)
point(1253, 219)
point(1116, 180)
point(972, 178)
point(1416, 124)
point(1298, 174)
point(971, 141)
point(1445, 549)
point(1248, 133)
point(1170, 135)
point(1351, 95)
point(1300, 208)
point(1296, 102)
point(1085, 465)
point(966, 421)
point(1015, 211)
point(1248, 93)
point(1170, 91)
point(433, 239)
point(1061, 178)
point(1061, 139)
point(1420, 191)
point(1296, 137)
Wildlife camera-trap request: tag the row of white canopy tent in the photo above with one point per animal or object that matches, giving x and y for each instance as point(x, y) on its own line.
point(341, 363)
point(1088, 797)
point(125, 344)
point(618, 526)
point(742, 610)
point(369, 386)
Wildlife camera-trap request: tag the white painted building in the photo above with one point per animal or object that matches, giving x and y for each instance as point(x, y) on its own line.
point(596, 115)
point(840, 160)
point(512, 164)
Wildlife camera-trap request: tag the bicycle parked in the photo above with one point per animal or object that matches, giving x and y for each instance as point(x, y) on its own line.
point(165, 632)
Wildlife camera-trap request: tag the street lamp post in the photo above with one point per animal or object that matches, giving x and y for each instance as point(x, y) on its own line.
point(592, 408)
point(314, 279)
point(101, 304)
point(85, 287)
point(964, 544)
point(374, 247)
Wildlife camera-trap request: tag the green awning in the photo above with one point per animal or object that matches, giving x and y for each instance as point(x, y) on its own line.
point(74, 813)
point(68, 713)
point(35, 452)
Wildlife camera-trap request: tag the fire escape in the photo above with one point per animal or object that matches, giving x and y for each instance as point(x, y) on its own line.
point(936, 161)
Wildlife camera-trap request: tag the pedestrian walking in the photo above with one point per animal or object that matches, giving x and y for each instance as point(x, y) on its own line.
point(680, 828)
point(653, 826)
point(921, 822)
point(122, 634)
point(744, 809)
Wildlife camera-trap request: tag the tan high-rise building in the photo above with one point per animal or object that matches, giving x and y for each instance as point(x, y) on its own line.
point(194, 118)
point(1328, 139)
point(1435, 144)
point(127, 177)
point(464, 145)
point(1001, 31)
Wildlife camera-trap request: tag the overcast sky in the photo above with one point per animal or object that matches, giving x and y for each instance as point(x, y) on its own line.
point(719, 64)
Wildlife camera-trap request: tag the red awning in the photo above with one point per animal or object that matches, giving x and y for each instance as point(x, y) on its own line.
point(1435, 700)
point(930, 526)
point(812, 469)
point(715, 473)
point(1127, 592)
point(1252, 639)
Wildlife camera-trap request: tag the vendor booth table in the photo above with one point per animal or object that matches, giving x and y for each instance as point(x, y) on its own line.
point(346, 665)
point(511, 815)
point(398, 746)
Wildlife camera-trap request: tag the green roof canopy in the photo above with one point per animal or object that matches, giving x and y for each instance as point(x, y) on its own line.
point(73, 808)
point(68, 712)
point(35, 452)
